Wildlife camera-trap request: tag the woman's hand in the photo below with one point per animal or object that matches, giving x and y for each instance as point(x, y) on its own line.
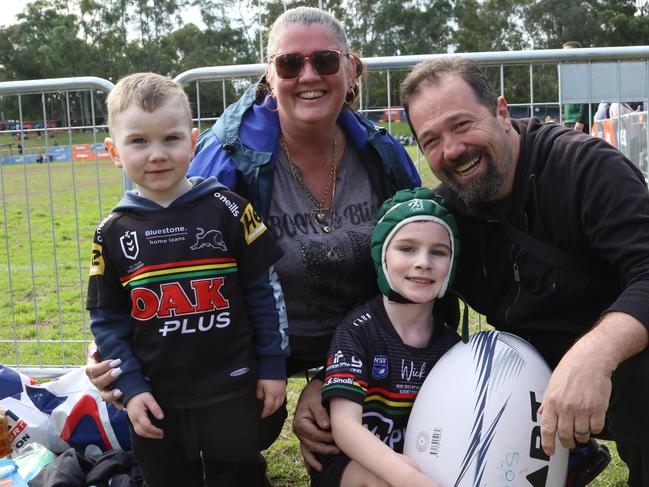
point(102, 374)
point(312, 426)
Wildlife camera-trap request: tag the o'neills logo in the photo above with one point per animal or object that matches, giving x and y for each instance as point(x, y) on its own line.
point(173, 301)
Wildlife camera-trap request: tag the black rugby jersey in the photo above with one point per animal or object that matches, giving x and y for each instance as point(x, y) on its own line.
point(369, 364)
point(169, 285)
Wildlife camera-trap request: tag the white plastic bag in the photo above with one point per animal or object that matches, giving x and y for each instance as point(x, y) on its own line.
point(64, 412)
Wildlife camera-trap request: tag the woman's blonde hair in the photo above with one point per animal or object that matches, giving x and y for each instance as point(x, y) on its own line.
point(309, 16)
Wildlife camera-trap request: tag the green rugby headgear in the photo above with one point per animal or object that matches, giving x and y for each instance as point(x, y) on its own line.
point(410, 205)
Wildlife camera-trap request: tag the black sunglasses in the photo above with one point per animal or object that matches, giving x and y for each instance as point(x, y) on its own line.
point(289, 65)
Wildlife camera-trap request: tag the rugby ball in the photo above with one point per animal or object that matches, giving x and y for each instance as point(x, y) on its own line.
point(475, 423)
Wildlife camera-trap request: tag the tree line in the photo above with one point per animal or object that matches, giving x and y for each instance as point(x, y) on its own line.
point(112, 38)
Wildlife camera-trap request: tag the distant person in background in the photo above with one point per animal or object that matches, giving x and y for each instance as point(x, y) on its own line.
point(602, 111)
point(576, 116)
point(618, 109)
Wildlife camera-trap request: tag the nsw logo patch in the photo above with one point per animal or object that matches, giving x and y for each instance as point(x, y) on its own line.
point(380, 367)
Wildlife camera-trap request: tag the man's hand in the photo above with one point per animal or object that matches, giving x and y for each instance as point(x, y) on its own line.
point(273, 393)
point(312, 426)
point(102, 374)
point(576, 399)
point(138, 408)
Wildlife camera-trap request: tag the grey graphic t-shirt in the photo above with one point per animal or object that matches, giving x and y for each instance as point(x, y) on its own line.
point(324, 275)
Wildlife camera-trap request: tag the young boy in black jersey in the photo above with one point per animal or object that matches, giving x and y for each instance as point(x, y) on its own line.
point(383, 350)
point(182, 293)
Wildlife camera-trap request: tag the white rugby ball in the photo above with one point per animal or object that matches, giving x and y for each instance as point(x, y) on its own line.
point(474, 422)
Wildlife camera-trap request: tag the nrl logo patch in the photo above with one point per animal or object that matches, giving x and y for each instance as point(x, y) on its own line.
point(130, 247)
point(380, 367)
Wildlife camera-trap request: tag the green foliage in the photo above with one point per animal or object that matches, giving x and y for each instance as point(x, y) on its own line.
point(489, 25)
point(109, 39)
point(34, 47)
point(626, 21)
point(395, 27)
point(113, 38)
point(601, 23)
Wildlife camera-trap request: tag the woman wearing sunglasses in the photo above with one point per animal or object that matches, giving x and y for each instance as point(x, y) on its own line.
point(315, 170)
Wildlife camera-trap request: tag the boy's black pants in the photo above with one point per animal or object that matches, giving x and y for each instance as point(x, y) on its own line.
point(227, 434)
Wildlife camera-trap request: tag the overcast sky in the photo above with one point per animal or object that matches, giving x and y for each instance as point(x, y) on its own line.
point(9, 10)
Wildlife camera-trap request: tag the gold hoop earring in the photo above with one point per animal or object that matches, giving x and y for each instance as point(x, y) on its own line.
point(270, 101)
point(351, 96)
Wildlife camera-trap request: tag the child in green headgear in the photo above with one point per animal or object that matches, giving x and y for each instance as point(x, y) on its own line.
point(383, 350)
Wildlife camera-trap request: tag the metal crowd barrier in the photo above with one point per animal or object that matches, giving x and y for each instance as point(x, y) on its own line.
point(60, 184)
point(629, 134)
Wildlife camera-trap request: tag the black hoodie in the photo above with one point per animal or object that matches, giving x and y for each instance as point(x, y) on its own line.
point(580, 196)
point(186, 296)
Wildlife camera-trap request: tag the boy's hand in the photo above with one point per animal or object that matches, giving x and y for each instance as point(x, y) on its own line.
point(273, 393)
point(137, 410)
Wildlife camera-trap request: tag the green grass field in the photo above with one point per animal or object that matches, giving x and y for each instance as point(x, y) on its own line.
point(45, 255)
point(47, 218)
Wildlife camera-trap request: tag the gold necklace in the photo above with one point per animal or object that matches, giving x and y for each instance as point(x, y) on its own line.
point(321, 209)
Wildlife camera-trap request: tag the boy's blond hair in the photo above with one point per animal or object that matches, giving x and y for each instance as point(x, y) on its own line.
point(148, 91)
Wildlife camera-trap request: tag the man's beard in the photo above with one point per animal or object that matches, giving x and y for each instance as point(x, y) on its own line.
point(480, 189)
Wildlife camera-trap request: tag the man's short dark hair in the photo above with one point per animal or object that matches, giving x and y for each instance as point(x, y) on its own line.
point(430, 72)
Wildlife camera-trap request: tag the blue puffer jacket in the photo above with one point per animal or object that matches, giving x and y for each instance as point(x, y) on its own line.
point(240, 150)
